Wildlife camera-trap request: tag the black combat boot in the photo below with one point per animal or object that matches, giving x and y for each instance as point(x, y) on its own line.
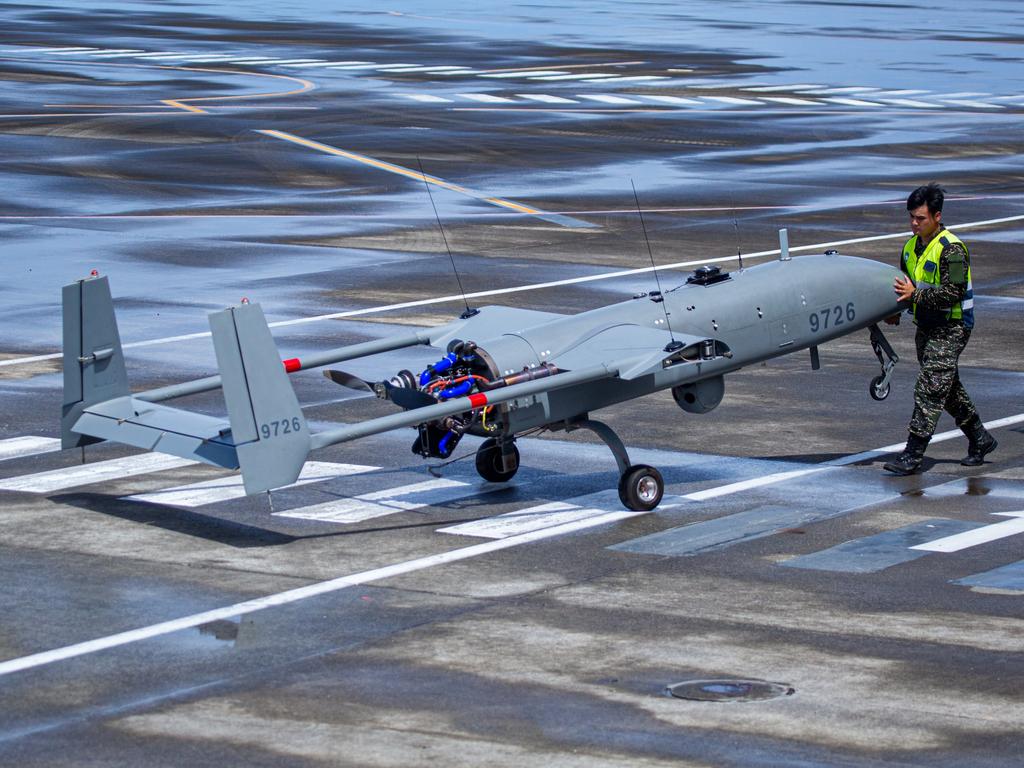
point(908, 462)
point(981, 443)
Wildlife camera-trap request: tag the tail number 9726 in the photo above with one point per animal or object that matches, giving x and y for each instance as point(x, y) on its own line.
point(283, 427)
point(832, 317)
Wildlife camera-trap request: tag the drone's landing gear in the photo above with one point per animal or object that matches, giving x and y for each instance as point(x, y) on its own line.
point(888, 358)
point(640, 486)
point(497, 461)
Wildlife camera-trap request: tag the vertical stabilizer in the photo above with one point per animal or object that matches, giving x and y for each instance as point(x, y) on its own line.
point(267, 425)
point(93, 361)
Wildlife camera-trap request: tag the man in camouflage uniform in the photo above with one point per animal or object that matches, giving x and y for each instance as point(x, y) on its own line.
point(937, 282)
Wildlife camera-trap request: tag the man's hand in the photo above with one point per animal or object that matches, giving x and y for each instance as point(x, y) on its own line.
point(894, 320)
point(904, 288)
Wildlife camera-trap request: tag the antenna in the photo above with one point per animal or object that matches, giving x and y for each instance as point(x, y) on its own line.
point(736, 226)
point(469, 312)
point(673, 345)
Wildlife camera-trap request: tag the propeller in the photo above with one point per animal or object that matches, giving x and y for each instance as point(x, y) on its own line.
point(403, 397)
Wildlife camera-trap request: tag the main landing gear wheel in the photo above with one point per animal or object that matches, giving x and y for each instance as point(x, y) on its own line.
point(641, 488)
point(489, 464)
point(878, 392)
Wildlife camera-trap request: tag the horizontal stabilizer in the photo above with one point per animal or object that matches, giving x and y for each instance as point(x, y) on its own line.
point(160, 428)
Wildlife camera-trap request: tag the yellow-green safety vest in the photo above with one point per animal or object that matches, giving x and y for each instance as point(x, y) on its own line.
point(925, 269)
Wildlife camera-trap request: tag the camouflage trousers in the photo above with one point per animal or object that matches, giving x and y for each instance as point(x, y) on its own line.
point(938, 385)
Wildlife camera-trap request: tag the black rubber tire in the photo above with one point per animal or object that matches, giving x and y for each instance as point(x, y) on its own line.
point(875, 392)
point(641, 488)
point(488, 462)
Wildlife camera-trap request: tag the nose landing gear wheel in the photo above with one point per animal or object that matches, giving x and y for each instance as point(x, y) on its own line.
point(641, 488)
point(489, 464)
point(878, 392)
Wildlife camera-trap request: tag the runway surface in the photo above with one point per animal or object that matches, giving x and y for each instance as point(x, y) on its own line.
point(388, 611)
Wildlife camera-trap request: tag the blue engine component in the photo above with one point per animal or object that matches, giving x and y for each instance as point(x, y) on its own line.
point(456, 391)
point(440, 366)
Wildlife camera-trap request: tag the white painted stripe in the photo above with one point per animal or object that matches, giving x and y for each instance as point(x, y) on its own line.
point(329, 63)
point(287, 62)
point(982, 535)
point(426, 98)
point(170, 56)
point(369, 65)
point(846, 89)
point(1016, 97)
point(230, 487)
point(853, 102)
point(910, 103)
point(98, 472)
point(390, 501)
point(773, 88)
point(575, 76)
point(487, 98)
point(50, 50)
point(960, 95)
point(334, 585)
point(294, 595)
point(632, 79)
point(446, 69)
point(532, 73)
point(672, 99)
point(528, 287)
point(132, 55)
point(546, 98)
point(100, 50)
point(462, 72)
point(973, 104)
point(733, 100)
point(904, 92)
point(29, 445)
point(538, 518)
point(150, 54)
point(607, 99)
point(790, 100)
point(393, 66)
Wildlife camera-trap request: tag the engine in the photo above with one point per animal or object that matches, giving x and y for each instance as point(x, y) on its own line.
point(700, 396)
point(465, 370)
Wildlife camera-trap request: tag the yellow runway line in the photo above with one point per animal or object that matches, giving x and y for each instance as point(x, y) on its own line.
point(182, 105)
point(557, 218)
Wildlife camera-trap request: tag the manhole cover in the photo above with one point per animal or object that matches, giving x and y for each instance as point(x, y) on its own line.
point(729, 690)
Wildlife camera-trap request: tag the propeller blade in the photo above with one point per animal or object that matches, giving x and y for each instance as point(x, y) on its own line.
point(349, 381)
point(410, 398)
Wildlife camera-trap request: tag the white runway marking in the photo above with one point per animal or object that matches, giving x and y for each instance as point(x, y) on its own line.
point(425, 97)
point(607, 99)
point(974, 104)
point(733, 100)
point(773, 88)
point(546, 99)
point(982, 535)
point(404, 498)
point(98, 472)
point(790, 100)
point(230, 487)
point(343, 582)
point(671, 99)
point(530, 286)
point(575, 76)
point(17, 447)
point(908, 103)
point(329, 63)
point(852, 102)
point(630, 79)
point(545, 516)
point(536, 73)
point(486, 98)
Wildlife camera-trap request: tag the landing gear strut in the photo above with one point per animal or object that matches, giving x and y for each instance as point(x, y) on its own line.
point(640, 486)
point(888, 358)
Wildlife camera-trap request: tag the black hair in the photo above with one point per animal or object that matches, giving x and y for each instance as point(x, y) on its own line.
point(931, 195)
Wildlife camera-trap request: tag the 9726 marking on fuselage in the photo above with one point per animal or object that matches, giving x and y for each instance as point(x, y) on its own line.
point(834, 316)
point(281, 427)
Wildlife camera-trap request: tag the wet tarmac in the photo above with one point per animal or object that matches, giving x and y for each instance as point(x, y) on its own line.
point(380, 614)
